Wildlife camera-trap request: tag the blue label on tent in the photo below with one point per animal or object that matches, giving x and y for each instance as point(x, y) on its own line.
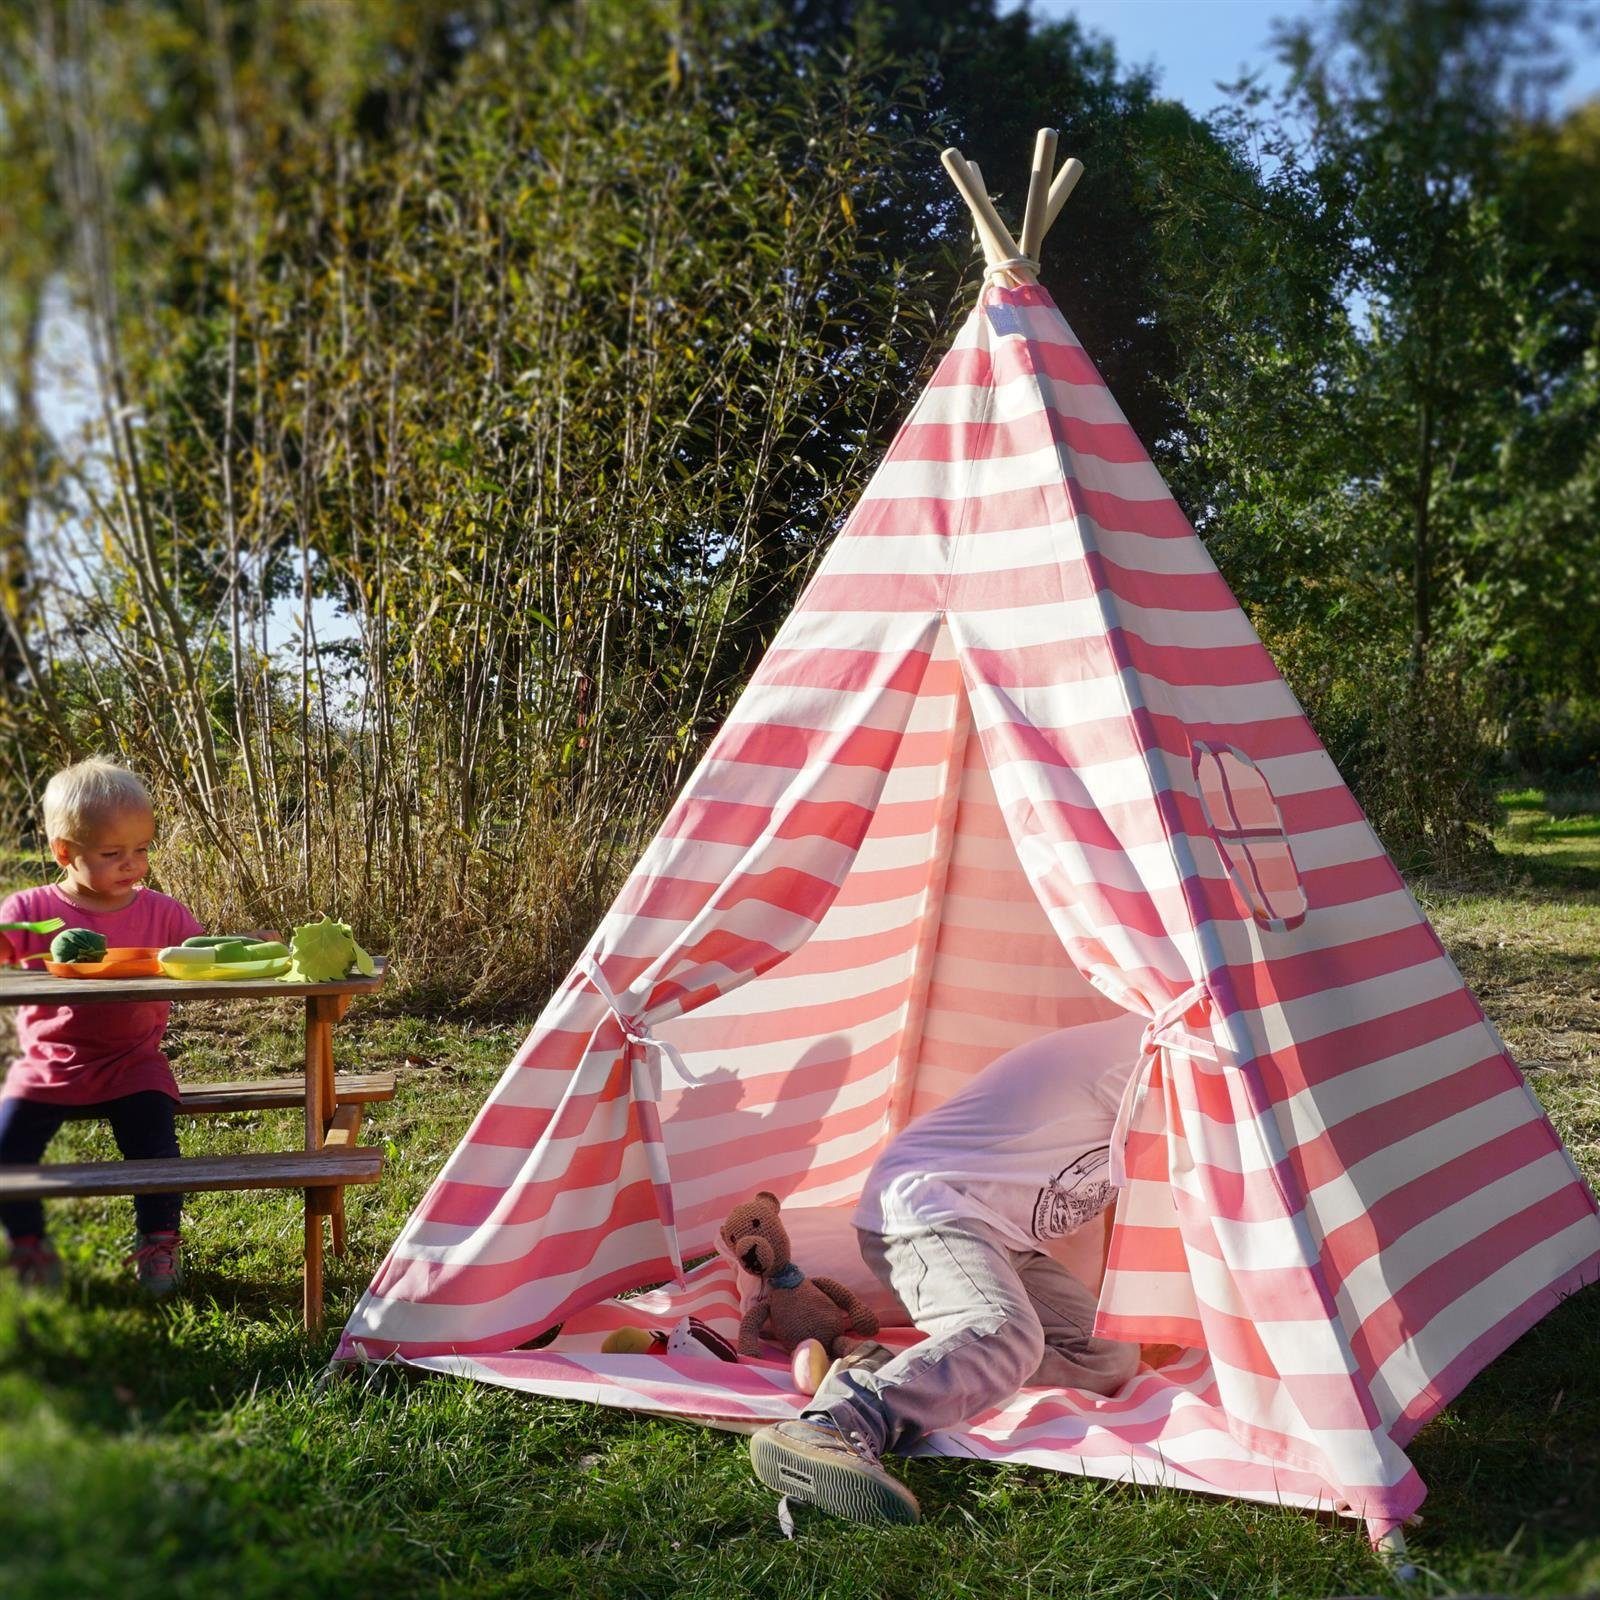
point(1004, 320)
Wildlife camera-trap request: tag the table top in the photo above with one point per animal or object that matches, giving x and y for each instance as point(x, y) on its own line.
point(28, 986)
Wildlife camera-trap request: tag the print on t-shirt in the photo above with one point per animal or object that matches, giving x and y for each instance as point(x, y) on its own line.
point(1076, 1193)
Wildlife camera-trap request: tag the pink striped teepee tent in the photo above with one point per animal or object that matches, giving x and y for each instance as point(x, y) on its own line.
point(1017, 763)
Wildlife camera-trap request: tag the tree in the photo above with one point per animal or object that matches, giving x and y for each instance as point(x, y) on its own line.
point(31, 237)
point(1375, 436)
point(988, 81)
point(553, 375)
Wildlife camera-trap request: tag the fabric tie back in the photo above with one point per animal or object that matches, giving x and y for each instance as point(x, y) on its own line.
point(645, 1052)
point(1164, 1031)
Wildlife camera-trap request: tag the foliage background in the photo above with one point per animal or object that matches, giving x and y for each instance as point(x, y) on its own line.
point(480, 382)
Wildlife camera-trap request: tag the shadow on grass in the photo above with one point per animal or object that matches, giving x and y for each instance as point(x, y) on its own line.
point(1548, 877)
point(1493, 967)
point(1577, 827)
point(1517, 876)
point(108, 1361)
point(1517, 1455)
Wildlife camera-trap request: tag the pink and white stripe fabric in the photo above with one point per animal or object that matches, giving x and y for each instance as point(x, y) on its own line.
point(971, 796)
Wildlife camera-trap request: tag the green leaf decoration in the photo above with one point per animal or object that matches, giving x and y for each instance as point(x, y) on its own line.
point(323, 952)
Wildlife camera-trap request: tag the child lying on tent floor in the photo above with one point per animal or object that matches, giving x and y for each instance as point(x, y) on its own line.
point(952, 1219)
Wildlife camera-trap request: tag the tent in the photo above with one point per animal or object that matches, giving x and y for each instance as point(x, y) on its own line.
point(1017, 763)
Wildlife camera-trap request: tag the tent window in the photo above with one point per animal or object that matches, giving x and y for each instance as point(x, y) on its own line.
point(1248, 828)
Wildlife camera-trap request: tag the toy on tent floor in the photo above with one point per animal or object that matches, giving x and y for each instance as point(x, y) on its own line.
point(793, 1309)
point(688, 1337)
point(865, 1355)
point(810, 1364)
point(1015, 762)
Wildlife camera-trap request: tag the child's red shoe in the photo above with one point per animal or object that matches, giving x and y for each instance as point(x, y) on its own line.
point(155, 1260)
point(35, 1262)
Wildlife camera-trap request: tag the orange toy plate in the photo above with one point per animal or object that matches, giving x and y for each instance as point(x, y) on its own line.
point(122, 961)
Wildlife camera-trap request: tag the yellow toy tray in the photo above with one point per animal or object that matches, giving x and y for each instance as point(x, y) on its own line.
point(221, 971)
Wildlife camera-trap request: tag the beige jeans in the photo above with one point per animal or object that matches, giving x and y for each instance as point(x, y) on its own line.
point(995, 1317)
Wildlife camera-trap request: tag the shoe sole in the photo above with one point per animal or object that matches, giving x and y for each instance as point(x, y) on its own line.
point(820, 1479)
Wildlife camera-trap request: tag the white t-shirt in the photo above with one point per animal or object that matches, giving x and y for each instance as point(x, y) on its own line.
point(1024, 1147)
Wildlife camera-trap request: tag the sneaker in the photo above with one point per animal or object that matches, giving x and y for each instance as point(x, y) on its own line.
point(155, 1260)
point(811, 1460)
point(35, 1262)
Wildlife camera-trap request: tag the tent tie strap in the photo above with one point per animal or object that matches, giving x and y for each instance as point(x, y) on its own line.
point(1164, 1031)
point(646, 1053)
point(650, 1051)
point(1025, 262)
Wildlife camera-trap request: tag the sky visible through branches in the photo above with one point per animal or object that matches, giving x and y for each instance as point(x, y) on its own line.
point(1196, 44)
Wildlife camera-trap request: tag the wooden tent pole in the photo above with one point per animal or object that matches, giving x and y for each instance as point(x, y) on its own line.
point(1034, 217)
point(998, 245)
point(977, 230)
point(1044, 206)
point(1066, 182)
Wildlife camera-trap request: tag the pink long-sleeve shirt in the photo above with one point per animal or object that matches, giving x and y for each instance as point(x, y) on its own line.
point(82, 1055)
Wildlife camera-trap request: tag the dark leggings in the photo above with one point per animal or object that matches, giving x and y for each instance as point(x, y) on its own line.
point(142, 1125)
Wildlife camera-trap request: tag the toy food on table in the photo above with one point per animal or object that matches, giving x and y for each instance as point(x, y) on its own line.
point(78, 953)
point(325, 951)
point(225, 957)
point(78, 944)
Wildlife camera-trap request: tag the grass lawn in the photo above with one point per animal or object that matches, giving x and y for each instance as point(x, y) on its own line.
point(191, 1450)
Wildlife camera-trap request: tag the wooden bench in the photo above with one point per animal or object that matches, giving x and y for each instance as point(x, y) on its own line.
point(322, 1173)
point(281, 1094)
point(311, 1170)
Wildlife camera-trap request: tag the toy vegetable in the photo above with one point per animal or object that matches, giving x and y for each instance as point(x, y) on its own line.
point(223, 949)
point(325, 951)
point(77, 944)
point(183, 955)
point(217, 957)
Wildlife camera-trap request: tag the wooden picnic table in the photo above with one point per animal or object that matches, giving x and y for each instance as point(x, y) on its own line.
point(333, 1107)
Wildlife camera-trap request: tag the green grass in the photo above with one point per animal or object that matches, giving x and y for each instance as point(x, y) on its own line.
point(195, 1450)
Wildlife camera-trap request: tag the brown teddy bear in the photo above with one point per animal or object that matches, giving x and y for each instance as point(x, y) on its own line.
point(791, 1306)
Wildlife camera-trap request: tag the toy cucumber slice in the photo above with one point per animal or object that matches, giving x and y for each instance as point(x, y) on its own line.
point(267, 950)
point(183, 955)
point(272, 967)
point(210, 941)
